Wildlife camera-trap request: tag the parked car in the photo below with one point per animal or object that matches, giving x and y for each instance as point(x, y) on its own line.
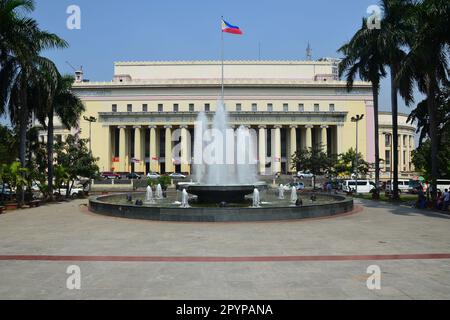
point(364, 186)
point(110, 175)
point(304, 174)
point(133, 176)
point(297, 185)
point(177, 176)
point(153, 175)
point(442, 185)
point(6, 192)
point(403, 185)
point(75, 192)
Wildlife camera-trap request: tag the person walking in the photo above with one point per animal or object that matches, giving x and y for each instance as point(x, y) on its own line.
point(446, 200)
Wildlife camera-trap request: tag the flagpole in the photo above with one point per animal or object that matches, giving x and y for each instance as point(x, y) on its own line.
point(222, 56)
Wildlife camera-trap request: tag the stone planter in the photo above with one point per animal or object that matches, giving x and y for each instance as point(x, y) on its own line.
point(11, 206)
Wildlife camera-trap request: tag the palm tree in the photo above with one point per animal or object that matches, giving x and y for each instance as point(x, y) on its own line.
point(396, 28)
point(21, 67)
point(68, 107)
point(426, 65)
point(363, 58)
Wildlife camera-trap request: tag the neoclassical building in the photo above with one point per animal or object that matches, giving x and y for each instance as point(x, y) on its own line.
point(149, 107)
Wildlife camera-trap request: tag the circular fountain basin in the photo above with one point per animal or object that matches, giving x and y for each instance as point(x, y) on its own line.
point(166, 210)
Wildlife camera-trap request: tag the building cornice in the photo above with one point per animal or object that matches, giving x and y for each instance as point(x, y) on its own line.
point(218, 62)
point(176, 83)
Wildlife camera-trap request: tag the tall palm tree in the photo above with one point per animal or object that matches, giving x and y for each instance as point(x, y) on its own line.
point(426, 65)
point(21, 41)
point(65, 105)
point(396, 28)
point(363, 58)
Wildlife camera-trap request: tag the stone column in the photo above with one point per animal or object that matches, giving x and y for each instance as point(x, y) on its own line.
point(277, 152)
point(138, 167)
point(169, 156)
point(262, 151)
point(122, 149)
point(308, 138)
point(339, 138)
point(185, 152)
point(324, 138)
point(153, 155)
point(293, 147)
point(382, 146)
point(108, 149)
point(400, 158)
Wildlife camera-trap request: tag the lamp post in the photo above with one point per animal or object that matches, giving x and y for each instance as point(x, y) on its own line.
point(356, 119)
point(90, 120)
point(391, 187)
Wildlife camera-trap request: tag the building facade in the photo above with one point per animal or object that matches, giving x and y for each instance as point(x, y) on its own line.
point(149, 107)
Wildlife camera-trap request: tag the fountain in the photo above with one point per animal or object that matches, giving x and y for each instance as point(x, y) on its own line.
point(159, 192)
point(224, 161)
point(281, 192)
point(184, 199)
point(149, 199)
point(256, 199)
point(294, 196)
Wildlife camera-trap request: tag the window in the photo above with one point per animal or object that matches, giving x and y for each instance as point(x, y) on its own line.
point(269, 107)
point(144, 108)
point(129, 108)
point(207, 107)
point(160, 108)
point(285, 107)
point(332, 107)
point(387, 140)
point(254, 107)
point(316, 107)
point(191, 107)
point(238, 107)
point(404, 158)
point(387, 158)
point(301, 107)
point(176, 107)
point(114, 108)
point(404, 141)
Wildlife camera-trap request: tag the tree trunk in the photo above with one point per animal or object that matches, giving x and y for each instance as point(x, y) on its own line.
point(394, 103)
point(50, 142)
point(23, 126)
point(433, 132)
point(375, 90)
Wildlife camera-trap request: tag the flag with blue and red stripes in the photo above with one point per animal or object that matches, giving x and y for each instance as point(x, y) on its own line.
point(229, 28)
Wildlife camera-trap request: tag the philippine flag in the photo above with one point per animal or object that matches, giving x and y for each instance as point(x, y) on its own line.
point(228, 28)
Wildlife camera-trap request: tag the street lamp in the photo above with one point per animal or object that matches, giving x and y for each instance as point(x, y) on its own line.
point(391, 186)
point(356, 119)
point(90, 120)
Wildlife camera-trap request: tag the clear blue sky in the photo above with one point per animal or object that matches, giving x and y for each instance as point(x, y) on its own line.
point(190, 30)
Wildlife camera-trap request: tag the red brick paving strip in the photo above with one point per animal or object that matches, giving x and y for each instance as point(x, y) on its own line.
point(54, 258)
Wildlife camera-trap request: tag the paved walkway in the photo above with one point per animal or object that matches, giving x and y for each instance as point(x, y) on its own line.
point(131, 259)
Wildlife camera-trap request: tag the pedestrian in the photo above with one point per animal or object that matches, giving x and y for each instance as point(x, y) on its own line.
point(446, 200)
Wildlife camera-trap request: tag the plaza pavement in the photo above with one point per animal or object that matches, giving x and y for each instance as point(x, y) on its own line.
point(148, 268)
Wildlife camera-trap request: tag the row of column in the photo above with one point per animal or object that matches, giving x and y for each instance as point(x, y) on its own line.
point(139, 149)
point(139, 146)
point(404, 152)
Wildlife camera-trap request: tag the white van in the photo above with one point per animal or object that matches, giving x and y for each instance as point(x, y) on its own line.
point(442, 184)
point(403, 185)
point(364, 186)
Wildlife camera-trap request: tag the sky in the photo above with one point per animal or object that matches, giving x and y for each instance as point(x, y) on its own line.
point(136, 30)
